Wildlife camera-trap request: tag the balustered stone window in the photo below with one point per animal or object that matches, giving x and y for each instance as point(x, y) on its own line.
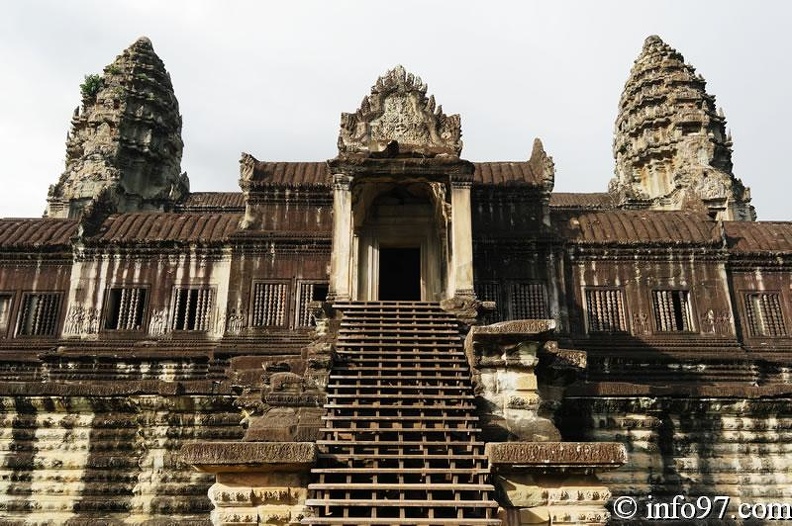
point(491, 291)
point(191, 308)
point(672, 310)
point(605, 310)
point(270, 302)
point(39, 314)
point(764, 313)
point(308, 292)
point(126, 308)
point(528, 301)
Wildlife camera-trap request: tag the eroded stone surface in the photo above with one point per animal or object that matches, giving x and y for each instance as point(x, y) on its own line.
point(258, 498)
point(558, 454)
point(226, 456)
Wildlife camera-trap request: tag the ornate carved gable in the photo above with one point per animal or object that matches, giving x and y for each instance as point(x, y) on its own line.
point(399, 110)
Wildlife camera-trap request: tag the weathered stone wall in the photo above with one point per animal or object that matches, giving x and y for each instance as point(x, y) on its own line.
point(92, 276)
point(107, 453)
point(691, 445)
point(703, 278)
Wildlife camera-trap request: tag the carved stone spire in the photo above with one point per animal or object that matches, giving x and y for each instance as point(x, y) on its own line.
point(125, 140)
point(671, 146)
point(398, 118)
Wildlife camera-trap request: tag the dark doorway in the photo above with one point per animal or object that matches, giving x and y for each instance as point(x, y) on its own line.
point(400, 274)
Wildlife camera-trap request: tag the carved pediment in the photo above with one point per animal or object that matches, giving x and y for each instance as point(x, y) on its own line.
point(399, 112)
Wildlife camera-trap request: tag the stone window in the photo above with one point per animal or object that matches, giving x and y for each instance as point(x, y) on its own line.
point(270, 300)
point(672, 310)
point(126, 308)
point(605, 310)
point(528, 301)
point(490, 291)
point(39, 314)
point(191, 309)
point(764, 313)
point(308, 292)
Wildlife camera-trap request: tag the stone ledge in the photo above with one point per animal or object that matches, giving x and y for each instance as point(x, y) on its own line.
point(515, 330)
point(216, 457)
point(678, 390)
point(557, 454)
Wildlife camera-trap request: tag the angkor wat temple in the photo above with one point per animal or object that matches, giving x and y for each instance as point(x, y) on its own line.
point(397, 335)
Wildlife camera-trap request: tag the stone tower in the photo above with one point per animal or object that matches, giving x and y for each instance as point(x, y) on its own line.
point(125, 141)
point(671, 147)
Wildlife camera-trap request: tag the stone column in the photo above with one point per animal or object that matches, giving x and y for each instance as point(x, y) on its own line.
point(341, 256)
point(460, 275)
point(553, 483)
point(256, 482)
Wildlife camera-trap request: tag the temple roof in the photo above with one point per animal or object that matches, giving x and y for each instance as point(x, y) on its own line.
point(295, 174)
point(637, 227)
point(290, 174)
point(758, 237)
point(506, 173)
point(592, 201)
point(213, 202)
point(161, 227)
point(593, 226)
point(36, 232)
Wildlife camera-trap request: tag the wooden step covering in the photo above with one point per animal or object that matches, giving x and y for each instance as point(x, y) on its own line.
point(346, 521)
point(401, 440)
point(402, 503)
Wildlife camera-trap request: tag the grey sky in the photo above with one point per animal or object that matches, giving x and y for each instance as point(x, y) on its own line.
point(271, 78)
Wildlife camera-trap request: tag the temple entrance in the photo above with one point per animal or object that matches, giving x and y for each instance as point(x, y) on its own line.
point(400, 274)
point(398, 242)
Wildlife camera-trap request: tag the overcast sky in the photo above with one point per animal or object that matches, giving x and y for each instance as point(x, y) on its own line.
point(271, 78)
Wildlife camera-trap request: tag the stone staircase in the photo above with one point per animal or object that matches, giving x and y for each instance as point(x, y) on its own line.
point(401, 440)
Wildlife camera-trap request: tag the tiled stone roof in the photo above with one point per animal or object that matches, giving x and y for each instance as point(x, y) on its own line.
point(619, 227)
point(213, 201)
point(755, 237)
point(573, 201)
point(153, 227)
point(36, 232)
point(318, 174)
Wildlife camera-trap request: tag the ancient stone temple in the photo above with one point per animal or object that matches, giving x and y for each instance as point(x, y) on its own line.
point(397, 335)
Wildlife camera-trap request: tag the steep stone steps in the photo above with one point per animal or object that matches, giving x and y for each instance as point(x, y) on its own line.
point(401, 441)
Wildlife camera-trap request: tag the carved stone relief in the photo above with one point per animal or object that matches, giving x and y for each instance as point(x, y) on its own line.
point(81, 321)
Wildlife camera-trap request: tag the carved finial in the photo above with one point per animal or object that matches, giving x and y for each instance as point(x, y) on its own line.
point(543, 164)
point(247, 167)
point(653, 40)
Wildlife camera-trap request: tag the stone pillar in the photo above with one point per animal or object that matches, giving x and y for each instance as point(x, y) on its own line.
point(547, 483)
point(460, 275)
point(257, 483)
point(503, 358)
point(341, 256)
